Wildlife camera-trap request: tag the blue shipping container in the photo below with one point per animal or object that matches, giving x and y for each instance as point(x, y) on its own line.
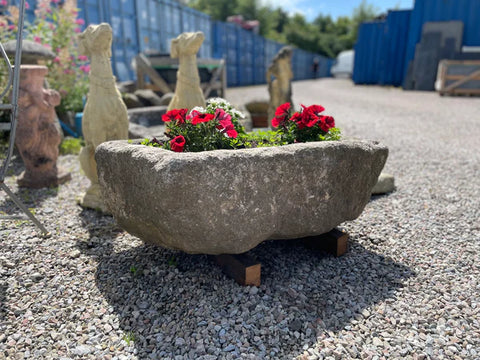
point(394, 48)
point(368, 50)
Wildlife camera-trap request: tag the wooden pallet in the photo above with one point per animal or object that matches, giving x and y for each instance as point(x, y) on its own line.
point(458, 77)
point(147, 68)
point(246, 270)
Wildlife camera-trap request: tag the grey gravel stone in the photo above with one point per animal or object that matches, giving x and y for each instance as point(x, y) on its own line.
point(412, 262)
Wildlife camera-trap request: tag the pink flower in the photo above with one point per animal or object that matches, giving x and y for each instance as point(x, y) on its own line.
point(85, 68)
point(80, 22)
point(4, 3)
point(27, 5)
point(77, 30)
point(55, 1)
point(11, 27)
point(83, 57)
point(37, 39)
point(56, 60)
point(51, 26)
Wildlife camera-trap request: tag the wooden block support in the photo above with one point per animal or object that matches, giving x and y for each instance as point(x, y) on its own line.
point(243, 268)
point(334, 242)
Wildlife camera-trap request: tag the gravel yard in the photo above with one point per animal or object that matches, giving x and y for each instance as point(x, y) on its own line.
point(408, 288)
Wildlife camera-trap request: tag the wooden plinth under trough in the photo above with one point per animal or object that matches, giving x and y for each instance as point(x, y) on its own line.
point(246, 270)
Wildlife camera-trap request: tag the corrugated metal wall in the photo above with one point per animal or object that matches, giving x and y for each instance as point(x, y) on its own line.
point(149, 25)
point(392, 62)
point(368, 50)
point(248, 56)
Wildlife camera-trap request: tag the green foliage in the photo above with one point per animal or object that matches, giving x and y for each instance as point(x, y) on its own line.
point(172, 261)
point(129, 337)
point(55, 27)
point(133, 270)
point(71, 146)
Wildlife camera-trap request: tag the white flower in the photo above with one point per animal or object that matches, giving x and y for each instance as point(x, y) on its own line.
point(217, 101)
point(198, 108)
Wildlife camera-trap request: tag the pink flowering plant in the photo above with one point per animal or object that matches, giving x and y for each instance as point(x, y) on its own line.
point(308, 124)
point(217, 127)
point(55, 27)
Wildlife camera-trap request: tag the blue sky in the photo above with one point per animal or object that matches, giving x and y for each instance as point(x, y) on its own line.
point(311, 8)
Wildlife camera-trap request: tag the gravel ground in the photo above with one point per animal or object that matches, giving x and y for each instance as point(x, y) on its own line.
point(408, 288)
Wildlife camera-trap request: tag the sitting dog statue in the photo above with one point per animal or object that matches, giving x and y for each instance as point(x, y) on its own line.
point(105, 115)
point(188, 92)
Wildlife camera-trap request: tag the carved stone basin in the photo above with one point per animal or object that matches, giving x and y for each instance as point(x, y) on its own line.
point(229, 201)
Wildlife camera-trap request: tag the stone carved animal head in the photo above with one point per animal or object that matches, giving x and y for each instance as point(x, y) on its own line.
point(96, 39)
point(186, 43)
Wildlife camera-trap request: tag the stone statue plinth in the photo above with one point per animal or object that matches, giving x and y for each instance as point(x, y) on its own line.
point(280, 87)
point(37, 138)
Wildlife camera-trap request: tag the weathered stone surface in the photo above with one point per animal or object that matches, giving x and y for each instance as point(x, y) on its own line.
point(384, 185)
point(148, 97)
point(228, 201)
point(166, 98)
point(126, 86)
point(147, 116)
point(136, 131)
point(132, 101)
point(31, 51)
point(246, 122)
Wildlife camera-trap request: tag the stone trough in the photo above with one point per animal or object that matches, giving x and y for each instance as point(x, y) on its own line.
point(229, 201)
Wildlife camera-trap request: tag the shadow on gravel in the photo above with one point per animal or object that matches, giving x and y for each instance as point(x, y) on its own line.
point(3, 299)
point(165, 298)
point(102, 231)
point(31, 198)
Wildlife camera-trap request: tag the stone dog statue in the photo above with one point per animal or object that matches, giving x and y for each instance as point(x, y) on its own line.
point(188, 92)
point(105, 115)
point(280, 88)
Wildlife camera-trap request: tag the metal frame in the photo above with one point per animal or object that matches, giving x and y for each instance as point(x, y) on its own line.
point(13, 83)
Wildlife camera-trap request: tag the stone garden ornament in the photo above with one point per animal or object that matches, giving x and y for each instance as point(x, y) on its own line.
point(188, 92)
point(280, 87)
point(105, 115)
point(37, 137)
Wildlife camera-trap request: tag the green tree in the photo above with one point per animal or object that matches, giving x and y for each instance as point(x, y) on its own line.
point(217, 9)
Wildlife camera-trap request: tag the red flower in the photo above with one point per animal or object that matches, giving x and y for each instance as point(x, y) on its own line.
point(307, 118)
point(281, 114)
point(177, 143)
point(275, 122)
point(326, 123)
point(316, 109)
point(175, 114)
point(201, 118)
point(226, 126)
point(282, 110)
point(220, 114)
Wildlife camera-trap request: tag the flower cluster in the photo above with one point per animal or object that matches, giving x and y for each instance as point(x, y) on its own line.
point(210, 128)
point(217, 127)
point(56, 26)
point(308, 124)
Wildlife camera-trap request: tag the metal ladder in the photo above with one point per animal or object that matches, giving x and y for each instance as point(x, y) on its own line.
point(13, 83)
